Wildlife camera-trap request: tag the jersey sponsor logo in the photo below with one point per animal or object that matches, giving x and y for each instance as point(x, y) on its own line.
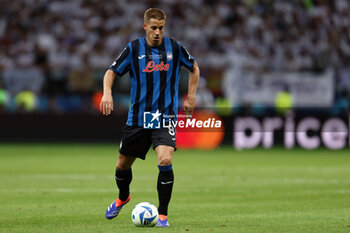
point(151, 66)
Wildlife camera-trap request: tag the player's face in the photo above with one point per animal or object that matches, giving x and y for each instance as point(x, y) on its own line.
point(154, 31)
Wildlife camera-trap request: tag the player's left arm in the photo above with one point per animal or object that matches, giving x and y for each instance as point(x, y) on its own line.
point(190, 101)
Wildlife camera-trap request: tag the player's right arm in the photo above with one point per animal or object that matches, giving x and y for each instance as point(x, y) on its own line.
point(119, 67)
point(106, 105)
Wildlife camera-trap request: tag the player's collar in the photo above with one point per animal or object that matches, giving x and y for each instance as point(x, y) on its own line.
point(154, 47)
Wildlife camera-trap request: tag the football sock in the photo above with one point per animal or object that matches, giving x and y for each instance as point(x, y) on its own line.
point(123, 179)
point(164, 187)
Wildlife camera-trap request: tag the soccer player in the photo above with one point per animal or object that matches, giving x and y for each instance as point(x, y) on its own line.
point(153, 63)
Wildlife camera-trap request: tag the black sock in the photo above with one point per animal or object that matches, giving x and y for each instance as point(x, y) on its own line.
point(123, 179)
point(165, 187)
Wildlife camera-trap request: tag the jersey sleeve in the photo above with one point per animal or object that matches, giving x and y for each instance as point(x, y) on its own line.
point(185, 58)
point(122, 64)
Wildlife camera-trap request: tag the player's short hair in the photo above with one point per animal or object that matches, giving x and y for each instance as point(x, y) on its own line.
point(154, 13)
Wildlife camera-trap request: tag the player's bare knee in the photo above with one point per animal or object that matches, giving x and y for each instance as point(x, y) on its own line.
point(121, 166)
point(164, 161)
point(124, 162)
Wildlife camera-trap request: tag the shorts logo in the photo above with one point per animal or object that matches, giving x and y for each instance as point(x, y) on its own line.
point(151, 120)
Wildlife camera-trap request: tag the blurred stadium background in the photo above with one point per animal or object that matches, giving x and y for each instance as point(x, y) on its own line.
point(255, 57)
point(277, 73)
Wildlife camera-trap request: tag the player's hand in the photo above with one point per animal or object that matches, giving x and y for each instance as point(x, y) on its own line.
point(188, 106)
point(106, 105)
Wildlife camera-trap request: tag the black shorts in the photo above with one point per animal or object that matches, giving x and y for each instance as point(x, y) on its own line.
point(136, 141)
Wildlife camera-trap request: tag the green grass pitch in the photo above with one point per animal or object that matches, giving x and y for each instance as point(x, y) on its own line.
point(67, 188)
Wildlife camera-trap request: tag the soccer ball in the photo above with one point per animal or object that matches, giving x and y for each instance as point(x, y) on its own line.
point(144, 214)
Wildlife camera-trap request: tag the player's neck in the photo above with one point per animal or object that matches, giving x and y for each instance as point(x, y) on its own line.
point(154, 45)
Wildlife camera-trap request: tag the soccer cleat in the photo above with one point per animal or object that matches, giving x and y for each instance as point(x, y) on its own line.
point(114, 208)
point(163, 221)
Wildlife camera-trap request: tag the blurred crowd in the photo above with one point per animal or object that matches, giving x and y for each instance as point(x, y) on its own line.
point(56, 52)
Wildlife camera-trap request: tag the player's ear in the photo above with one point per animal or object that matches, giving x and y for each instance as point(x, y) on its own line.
point(144, 26)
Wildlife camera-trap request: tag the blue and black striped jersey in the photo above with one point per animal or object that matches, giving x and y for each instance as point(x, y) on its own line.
point(154, 74)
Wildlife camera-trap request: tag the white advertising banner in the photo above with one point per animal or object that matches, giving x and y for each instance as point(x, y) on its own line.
point(308, 89)
point(308, 132)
